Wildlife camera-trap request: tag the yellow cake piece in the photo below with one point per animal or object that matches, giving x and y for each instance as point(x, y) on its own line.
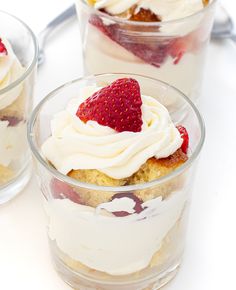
point(151, 170)
point(156, 168)
point(6, 174)
point(91, 2)
point(91, 197)
point(205, 2)
point(96, 177)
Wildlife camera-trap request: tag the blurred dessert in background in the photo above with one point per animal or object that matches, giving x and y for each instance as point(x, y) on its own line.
point(12, 116)
point(163, 39)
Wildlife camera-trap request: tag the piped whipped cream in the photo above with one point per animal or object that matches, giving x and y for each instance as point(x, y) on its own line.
point(166, 9)
point(10, 71)
point(77, 145)
point(117, 246)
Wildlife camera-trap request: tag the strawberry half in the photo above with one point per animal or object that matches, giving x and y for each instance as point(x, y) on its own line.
point(3, 50)
point(117, 106)
point(177, 51)
point(184, 135)
point(152, 52)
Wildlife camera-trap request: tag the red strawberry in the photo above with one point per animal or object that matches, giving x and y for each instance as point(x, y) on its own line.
point(184, 135)
point(178, 49)
point(117, 106)
point(3, 50)
point(138, 203)
point(152, 52)
point(13, 121)
point(98, 23)
point(61, 190)
point(182, 45)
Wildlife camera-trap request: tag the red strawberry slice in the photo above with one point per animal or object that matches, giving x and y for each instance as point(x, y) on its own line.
point(184, 135)
point(138, 204)
point(98, 23)
point(154, 52)
point(13, 121)
point(117, 106)
point(180, 46)
point(61, 190)
point(3, 50)
point(177, 51)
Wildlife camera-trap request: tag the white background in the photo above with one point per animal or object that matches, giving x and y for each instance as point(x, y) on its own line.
point(210, 256)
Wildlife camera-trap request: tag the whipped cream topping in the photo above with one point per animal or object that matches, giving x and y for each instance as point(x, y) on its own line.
point(78, 145)
point(110, 244)
point(166, 9)
point(10, 71)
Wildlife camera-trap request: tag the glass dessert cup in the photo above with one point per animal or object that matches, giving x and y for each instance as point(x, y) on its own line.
point(94, 249)
point(172, 51)
point(17, 73)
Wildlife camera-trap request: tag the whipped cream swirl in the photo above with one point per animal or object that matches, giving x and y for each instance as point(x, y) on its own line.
point(78, 145)
point(10, 71)
point(166, 9)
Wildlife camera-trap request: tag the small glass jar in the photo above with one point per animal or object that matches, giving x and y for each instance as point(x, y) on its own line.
point(172, 51)
point(95, 249)
point(17, 76)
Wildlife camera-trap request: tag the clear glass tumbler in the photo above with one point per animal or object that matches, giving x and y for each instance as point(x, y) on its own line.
point(93, 249)
point(172, 51)
point(17, 74)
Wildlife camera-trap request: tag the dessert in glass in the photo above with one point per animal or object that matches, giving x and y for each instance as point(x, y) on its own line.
point(164, 39)
point(18, 58)
point(115, 168)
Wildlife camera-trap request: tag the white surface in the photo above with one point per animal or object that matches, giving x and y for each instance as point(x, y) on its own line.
point(210, 254)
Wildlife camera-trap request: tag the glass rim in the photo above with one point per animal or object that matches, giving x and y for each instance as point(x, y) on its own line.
point(33, 62)
point(124, 188)
point(142, 23)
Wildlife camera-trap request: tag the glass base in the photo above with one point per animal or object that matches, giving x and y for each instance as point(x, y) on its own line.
point(80, 282)
point(16, 185)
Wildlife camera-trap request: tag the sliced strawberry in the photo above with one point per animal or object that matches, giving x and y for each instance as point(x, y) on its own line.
point(138, 203)
point(117, 106)
point(3, 50)
point(13, 121)
point(152, 52)
point(98, 23)
point(184, 135)
point(179, 47)
point(61, 190)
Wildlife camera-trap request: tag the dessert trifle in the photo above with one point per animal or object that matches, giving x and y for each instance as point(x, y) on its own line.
point(115, 168)
point(18, 51)
point(164, 39)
